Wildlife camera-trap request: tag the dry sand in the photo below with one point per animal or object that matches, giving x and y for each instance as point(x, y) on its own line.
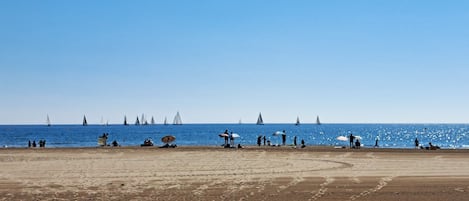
point(212, 173)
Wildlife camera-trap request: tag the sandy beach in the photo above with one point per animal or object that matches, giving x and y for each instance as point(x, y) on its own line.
point(251, 173)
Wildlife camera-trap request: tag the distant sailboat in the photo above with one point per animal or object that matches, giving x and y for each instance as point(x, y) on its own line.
point(85, 123)
point(144, 121)
point(152, 121)
point(165, 121)
point(177, 119)
point(48, 121)
point(297, 121)
point(137, 122)
point(125, 121)
point(259, 120)
point(240, 122)
point(317, 121)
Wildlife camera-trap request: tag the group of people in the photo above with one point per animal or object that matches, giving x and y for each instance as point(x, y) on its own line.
point(262, 138)
point(355, 143)
point(42, 143)
point(229, 140)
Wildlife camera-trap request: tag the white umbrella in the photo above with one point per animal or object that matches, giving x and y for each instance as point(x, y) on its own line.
point(278, 133)
point(342, 138)
point(358, 137)
point(235, 135)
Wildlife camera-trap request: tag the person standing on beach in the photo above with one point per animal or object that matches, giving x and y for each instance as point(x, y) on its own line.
point(226, 137)
point(29, 143)
point(351, 138)
point(376, 141)
point(416, 141)
point(284, 138)
point(259, 138)
point(294, 140)
point(264, 140)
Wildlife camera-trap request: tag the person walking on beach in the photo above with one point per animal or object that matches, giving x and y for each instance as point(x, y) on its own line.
point(416, 141)
point(284, 138)
point(264, 140)
point(303, 143)
point(29, 143)
point(376, 141)
point(259, 138)
point(294, 140)
point(351, 138)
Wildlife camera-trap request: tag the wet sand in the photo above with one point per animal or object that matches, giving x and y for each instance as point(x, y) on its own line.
point(212, 173)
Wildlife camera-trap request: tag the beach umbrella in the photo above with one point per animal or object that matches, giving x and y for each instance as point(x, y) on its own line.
point(168, 139)
point(358, 137)
point(223, 135)
point(277, 133)
point(235, 135)
point(342, 138)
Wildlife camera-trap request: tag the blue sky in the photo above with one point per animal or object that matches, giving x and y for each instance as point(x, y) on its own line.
point(221, 61)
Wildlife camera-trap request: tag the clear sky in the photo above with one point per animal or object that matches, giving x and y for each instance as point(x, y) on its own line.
point(376, 61)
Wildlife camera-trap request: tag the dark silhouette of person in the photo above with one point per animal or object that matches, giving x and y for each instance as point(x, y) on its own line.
point(376, 141)
point(226, 137)
point(416, 141)
point(264, 140)
point(29, 143)
point(231, 139)
point(352, 139)
point(294, 140)
point(303, 143)
point(34, 143)
point(284, 137)
point(259, 138)
point(357, 144)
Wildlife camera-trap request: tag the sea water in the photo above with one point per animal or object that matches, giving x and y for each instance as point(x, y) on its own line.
point(451, 136)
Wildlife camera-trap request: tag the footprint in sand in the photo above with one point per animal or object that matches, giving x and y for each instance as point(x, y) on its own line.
point(382, 183)
point(323, 189)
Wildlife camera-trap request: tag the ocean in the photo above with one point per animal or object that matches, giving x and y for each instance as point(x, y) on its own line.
point(447, 136)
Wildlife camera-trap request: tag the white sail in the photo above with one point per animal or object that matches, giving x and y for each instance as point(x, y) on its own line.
point(152, 121)
point(125, 121)
point(297, 121)
point(48, 121)
point(317, 121)
point(165, 121)
point(177, 119)
point(260, 121)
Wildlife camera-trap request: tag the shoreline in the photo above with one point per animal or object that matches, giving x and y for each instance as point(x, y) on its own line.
point(253, 148)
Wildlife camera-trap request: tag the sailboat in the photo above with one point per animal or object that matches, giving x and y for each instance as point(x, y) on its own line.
point(137, 122)
point(177, 119)
point(85, 123)
point(144, 121)
point(259, 120)
point(125, 121)
point(240, 122)
point(297, 121)
point(48, 121)
point(317, 121)
point(165, 121)
point(152, 121)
